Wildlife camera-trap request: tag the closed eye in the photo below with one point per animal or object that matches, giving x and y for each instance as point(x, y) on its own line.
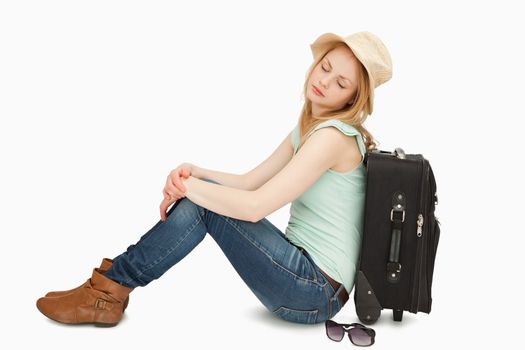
point(338, 83)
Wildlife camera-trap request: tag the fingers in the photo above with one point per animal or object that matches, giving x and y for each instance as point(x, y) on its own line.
point(177, 182)
point(164, 205)
point(174, 189)
point(172, 196)
point(168, 200)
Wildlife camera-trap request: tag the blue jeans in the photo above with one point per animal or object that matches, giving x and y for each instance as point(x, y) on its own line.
point(284, 279)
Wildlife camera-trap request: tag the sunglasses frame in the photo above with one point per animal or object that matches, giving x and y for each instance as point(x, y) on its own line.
point(346, 327)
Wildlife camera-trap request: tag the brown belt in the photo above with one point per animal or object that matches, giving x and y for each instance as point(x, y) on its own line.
point(343, 294)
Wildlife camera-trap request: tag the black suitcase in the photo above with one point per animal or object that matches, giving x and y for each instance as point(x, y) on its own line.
point(400, 236)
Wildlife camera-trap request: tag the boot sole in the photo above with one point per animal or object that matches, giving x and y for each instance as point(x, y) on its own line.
point(96, 324)
point(105, 325)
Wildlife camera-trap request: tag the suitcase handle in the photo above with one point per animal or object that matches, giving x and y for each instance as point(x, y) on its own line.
point(398, 152)
point(397, 217)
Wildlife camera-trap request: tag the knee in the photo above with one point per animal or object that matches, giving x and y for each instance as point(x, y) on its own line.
point(184, 208)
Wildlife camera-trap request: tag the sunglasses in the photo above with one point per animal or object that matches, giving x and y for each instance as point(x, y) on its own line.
point(358, 334)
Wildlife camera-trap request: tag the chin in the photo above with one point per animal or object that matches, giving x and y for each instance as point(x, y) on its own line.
point(311, 96)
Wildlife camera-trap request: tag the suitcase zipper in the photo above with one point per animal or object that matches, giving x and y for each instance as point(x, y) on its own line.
point(419, 233)
point(420, 225)
point(417, 269)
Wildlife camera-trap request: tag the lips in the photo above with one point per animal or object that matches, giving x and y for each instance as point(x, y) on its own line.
point(317, 91)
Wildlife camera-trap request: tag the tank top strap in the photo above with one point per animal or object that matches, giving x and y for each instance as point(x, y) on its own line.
point(345, 128)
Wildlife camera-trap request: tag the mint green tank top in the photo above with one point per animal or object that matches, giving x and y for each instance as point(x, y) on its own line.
point(327, 219)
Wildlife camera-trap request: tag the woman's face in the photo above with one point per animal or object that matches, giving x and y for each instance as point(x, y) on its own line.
point(333, 81)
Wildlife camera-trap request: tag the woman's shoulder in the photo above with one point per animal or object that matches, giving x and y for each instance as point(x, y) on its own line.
point(348, 130)
point(345, 128)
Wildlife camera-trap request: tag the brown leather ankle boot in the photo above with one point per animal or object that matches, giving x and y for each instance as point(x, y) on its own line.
point(99, 301)
point(104, 266)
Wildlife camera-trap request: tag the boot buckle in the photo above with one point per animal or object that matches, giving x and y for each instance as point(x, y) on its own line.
point(100, 304)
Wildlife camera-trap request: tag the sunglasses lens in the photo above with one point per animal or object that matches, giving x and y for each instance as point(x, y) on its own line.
point(335, 331)
point(360, 337)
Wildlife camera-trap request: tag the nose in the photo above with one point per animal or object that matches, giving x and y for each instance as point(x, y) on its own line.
point(324, 82)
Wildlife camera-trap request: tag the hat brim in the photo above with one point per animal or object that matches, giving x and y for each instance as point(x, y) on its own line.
point(324, 42)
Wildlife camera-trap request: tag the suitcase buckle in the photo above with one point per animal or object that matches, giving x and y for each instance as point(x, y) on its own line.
point(393, 271)
point(397, 211)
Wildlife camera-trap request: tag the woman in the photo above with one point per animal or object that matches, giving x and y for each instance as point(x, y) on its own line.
point(303, 275)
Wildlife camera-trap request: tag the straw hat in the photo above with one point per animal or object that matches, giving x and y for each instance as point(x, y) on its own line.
point(368, 49)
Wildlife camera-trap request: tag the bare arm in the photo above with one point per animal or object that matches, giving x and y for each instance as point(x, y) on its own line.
point(317, 155)
point(224, 200)
point(258, 176)
point(226, 179)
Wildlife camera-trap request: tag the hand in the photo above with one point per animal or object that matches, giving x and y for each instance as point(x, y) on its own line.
point(174, 189)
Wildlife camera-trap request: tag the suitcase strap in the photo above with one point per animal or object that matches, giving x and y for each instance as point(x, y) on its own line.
point(397, 217)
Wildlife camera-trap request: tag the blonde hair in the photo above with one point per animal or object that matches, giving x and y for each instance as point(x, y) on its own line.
point(354, 114)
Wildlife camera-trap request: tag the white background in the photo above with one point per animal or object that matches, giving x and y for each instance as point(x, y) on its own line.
point(99, 100)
